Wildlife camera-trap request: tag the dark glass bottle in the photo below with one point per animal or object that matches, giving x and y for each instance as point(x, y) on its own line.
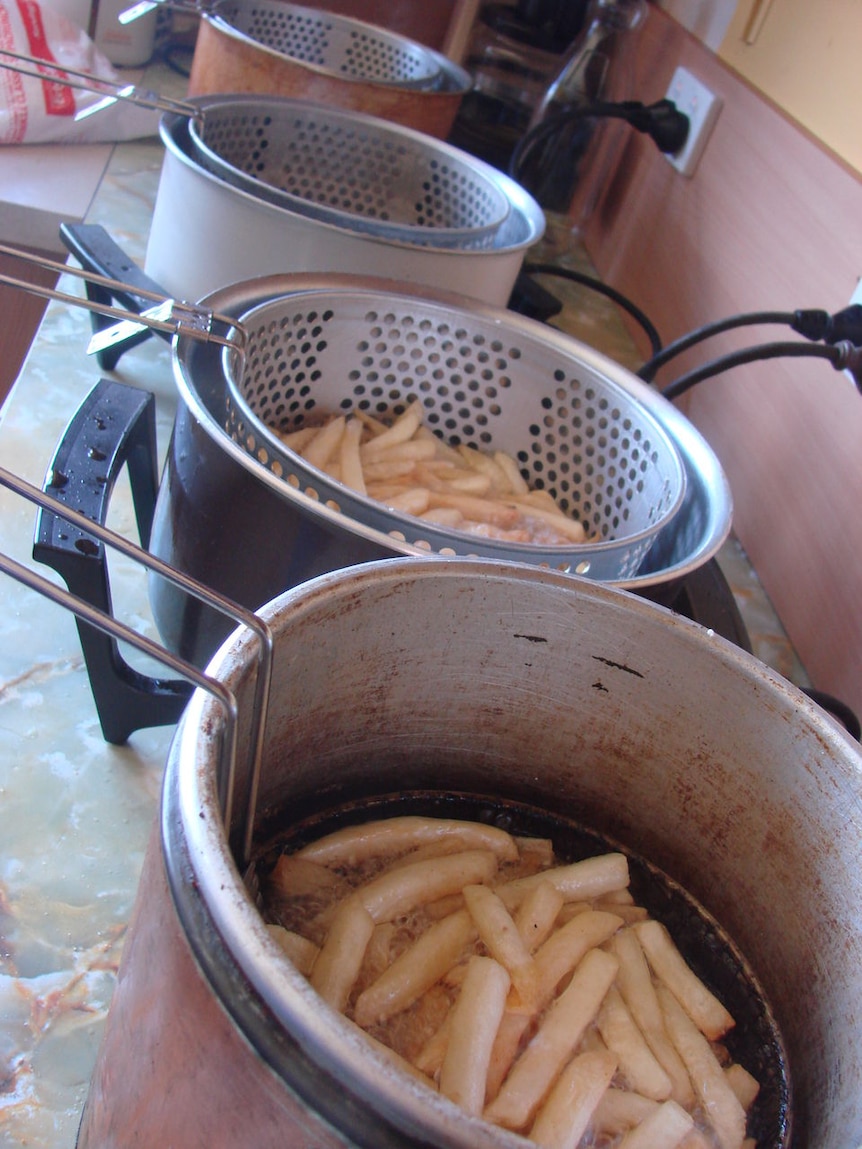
point(549, 158)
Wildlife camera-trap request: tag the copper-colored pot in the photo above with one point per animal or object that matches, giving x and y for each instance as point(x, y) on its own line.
point(227, 60)
point(525, 686)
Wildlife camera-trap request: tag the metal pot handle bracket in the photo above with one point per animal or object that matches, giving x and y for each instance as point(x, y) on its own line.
point(80, 550)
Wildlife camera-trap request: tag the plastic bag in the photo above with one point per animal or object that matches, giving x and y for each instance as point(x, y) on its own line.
point(42, 110)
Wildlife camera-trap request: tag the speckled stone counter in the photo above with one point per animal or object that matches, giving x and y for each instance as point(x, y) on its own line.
point(76, 812)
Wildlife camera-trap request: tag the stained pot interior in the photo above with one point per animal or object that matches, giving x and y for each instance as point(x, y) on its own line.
point(496, 679)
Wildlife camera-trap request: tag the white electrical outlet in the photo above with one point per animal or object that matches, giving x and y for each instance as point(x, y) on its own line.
point(702, 107)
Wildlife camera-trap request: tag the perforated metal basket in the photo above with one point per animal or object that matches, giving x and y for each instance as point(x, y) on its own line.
point(579, 428)
point(350, 170)
point(338, 45)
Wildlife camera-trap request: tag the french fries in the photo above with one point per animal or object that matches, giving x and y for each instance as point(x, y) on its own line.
point(526, 992)
point(336, 966)
point(394, 836)
point(416, 970)
point(476, 1017)
point(409, 469)
point(638, 1066)
point(503, 940)
point(666, 1126)
point(744, 1085)
point(620, 1109)
point(392, 894)
point(724, 1111)
point(565, 1116)
point(635, 983)
point(667, 962)
point(580, 881)
point(548, 1052)
point(300, 950)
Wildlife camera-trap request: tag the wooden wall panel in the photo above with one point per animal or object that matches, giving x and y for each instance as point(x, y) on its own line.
point(770, 220)
point(20, 315)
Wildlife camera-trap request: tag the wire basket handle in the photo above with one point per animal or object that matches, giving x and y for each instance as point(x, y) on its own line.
point(110, 90)
point(136, 11)
point(170, 316)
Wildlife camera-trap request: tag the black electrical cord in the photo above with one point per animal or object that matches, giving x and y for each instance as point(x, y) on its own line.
point(652, 366)
point(811, 323)
point(661, 121)
point(844, 356)
point(840, 710)
point(534, 138)
point(178, 58)
point(594, 284)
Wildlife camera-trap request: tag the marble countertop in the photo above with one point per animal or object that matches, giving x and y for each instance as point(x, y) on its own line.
point(76, 812)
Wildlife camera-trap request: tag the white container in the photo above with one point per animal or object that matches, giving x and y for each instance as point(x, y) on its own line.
point(207, 234)
point(125, 45)
point(76, 11)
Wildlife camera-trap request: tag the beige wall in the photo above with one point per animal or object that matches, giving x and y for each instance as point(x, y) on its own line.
point(805, 57)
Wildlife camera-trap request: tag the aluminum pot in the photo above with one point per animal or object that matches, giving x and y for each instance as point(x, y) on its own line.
point(286, 50)
point(207, 234)
point(203, 524)
point(497, 681)
point(230, 512)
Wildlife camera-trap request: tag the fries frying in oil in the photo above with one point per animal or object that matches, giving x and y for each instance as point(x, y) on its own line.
point(535, 995)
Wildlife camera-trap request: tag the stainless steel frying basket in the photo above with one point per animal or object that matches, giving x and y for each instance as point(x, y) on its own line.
point(578, 428)
point(351, 170)
point(330, 43)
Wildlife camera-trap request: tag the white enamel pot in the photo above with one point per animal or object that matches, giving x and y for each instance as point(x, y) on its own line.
point(207, 234)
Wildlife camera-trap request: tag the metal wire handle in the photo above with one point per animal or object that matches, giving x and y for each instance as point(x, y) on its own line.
point(193, 7)
point(172, 316)
point(111, 90)
point(226, 779)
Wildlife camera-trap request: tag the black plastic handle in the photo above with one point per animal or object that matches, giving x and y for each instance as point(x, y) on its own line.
point(96, 251)
point(113, 428)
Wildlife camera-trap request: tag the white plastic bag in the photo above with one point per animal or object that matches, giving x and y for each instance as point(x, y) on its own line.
point(40, 111)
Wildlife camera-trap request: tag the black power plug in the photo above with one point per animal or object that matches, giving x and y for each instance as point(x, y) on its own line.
point(849, 359)
point(844, 325)
point(663, 122)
